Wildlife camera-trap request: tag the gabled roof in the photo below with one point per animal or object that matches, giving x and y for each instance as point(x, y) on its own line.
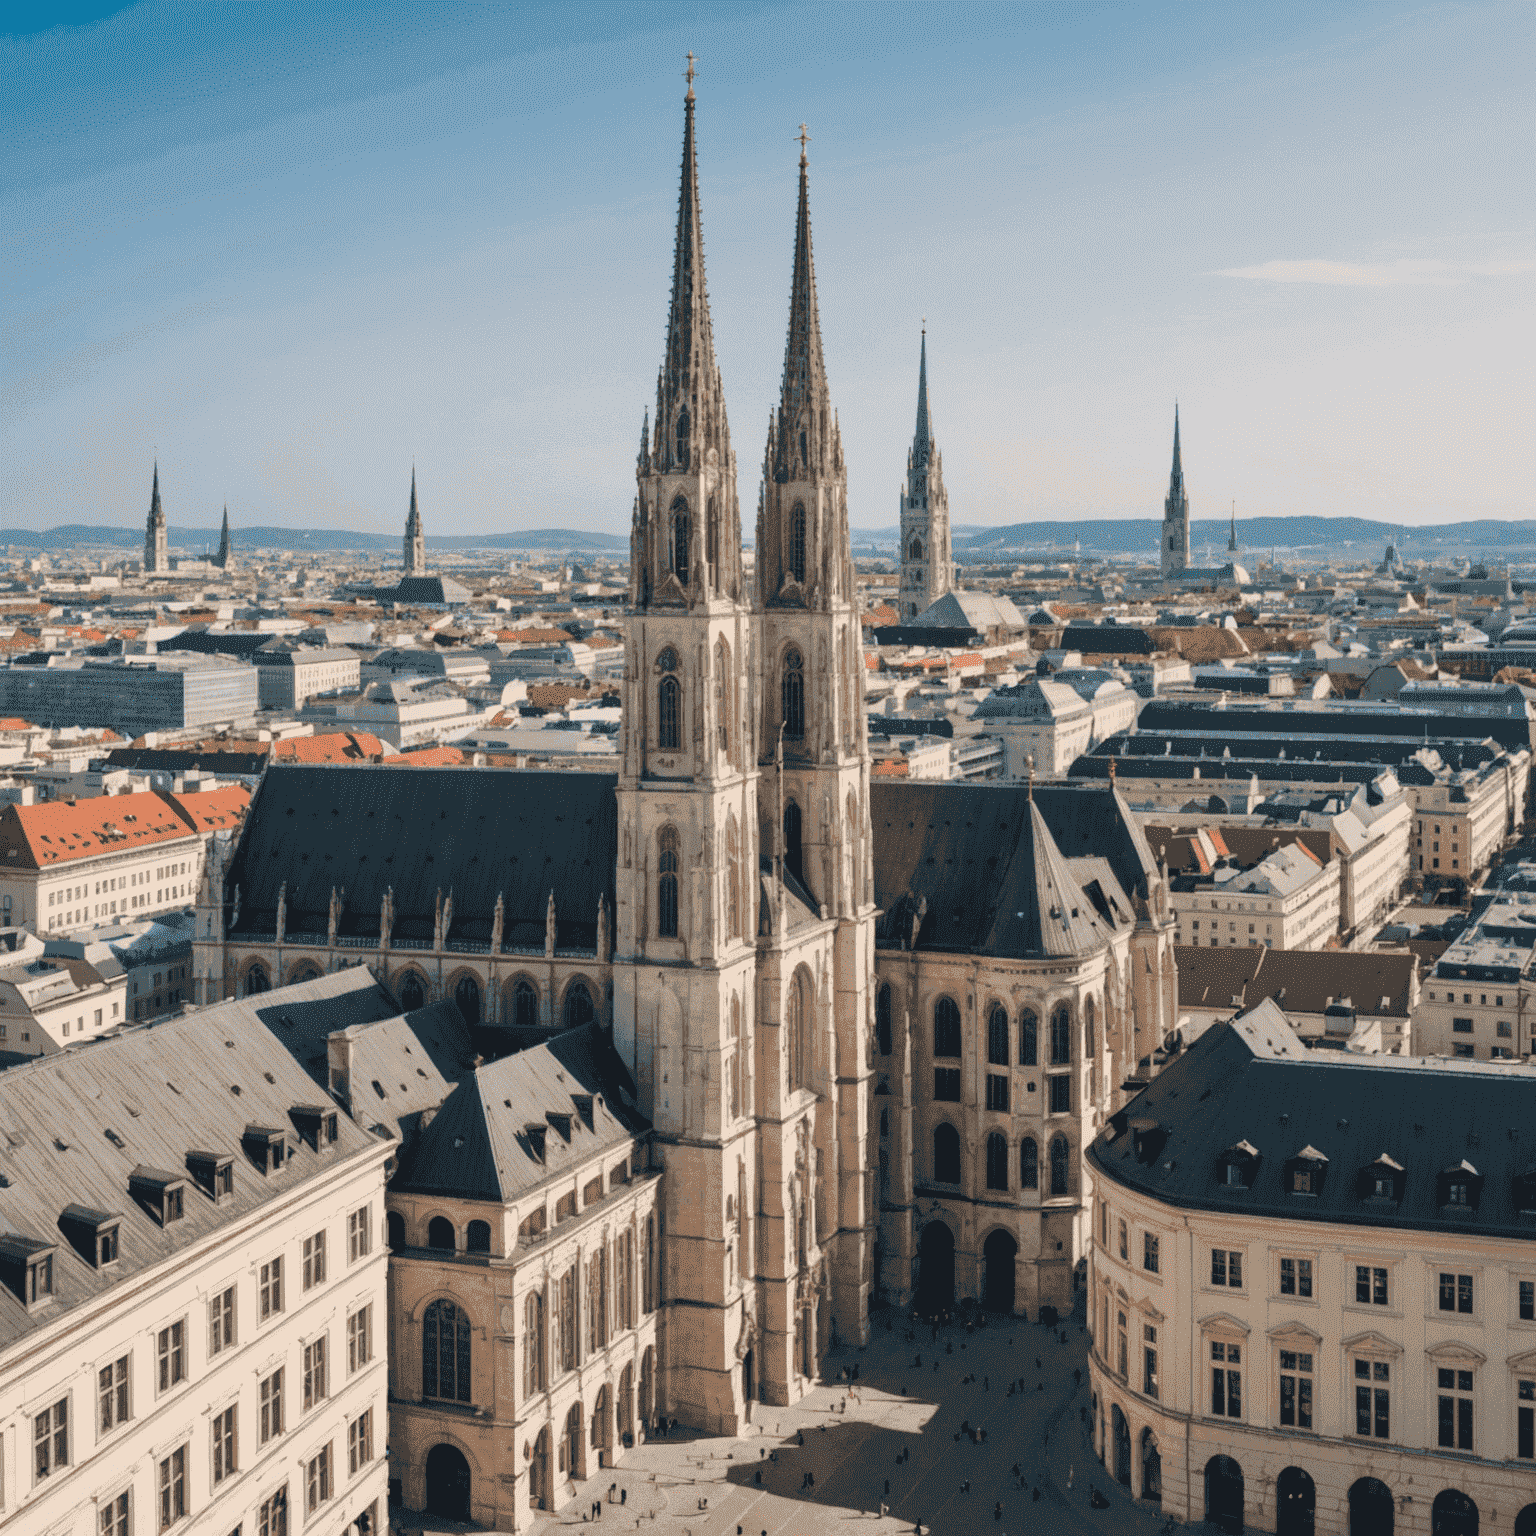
point(211, 810)
point(56, 832)
point(1311, 979)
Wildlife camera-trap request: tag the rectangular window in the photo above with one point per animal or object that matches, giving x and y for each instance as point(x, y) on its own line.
point(271, 1288)
point(221, 1321)
point(173, 1488)
point(1295, 1277)
point(359, 1234)
point(1061, 1094)
point(1149, 1252)
point(223, 1444)
point(1149, 1360)
point(115, 1519)
point(1227, 1381)
point(1125, 1243)
point(112, 1394)
point(1295, 1389)
point(1528, 1301)
point(1461, 1026)
point(1124, 1358)
point(171, 1355)
point(1455, 1410)
point(1370, 1285)
point(997, 1092)
point(946, 1085)
point(50, 1439)
point(272, 1406)
point(314, 1261)
point(1525, 1420)
point(359, 1443)
point(1455, 1292)
point(1373, 1399)
point(317, 1481)
point(359, 1339)
point(272, 1519)
point(314, 1373)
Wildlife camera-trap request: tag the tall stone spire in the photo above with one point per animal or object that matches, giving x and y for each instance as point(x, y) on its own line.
point(1175, 543)
point(415, 555)
point(156, 554)
point(927, 565)
point(226, 554)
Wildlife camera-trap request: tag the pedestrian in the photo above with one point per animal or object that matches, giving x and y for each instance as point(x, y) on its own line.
point(623, 1497)
point(997, 1511)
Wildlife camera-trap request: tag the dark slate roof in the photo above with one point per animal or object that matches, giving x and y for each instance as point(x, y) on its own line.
point(424, 831)
point(477, 1145)
point(75, 1126)
point(982, 869)
point(241, 643)
point(177, 759)
point(1252, 1079)
point(1310, 979)
point(406, 1065)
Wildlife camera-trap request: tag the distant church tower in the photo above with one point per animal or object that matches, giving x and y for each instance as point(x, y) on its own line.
point(1176, 513)
point(927, 571)
point(156, 555)
point(226, 555)
point(415, 537)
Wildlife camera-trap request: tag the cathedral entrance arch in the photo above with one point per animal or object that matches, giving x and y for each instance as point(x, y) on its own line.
point(447, 1483)
point(1371, 1511)
point(936, 1270)
point(1000, 1252)
point(1295, 1503)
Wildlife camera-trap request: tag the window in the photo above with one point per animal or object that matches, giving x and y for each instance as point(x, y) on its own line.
point(314, 1260)
point(997, 1092)
point(445, 1352)
point(1029, 1033)
point(997, 1036)
point(1295, 1389)
point(221, 1321)
point(272, 1406)
point(997, 1162)
point(797, 542)
point(1455, 1292)
point(669, 733)
point(359, 1234)
point(50, 1439)
point(1149, 1360)
point(1373, 1399)
point(1528, 1301)
point(1295, 1277)
point(317, 1480)
point(1125, 1243)
point(533, 1344)
point(666, 883)
point(680, 528)
point(525, 1004)
point(270, 1288)
point(315, 1386)
point(171, 1355)
point(1060, 1094)
point(223, 1444)
point(883, 1020)
point(1370, 1285)
point(1029, 1164)
point(565, 1322)
point(1227, 1267)
point(106, 1247)
point(115, 1519)
point(946, 1027)
point(946, 1154)
point(38, 1282)
point(792, 691)
point(946, 1085)
point(1227, 1380)
point(359, 1443)
point(273, 1516)
point(1461, 1026)
point(1525, 1420)
point(1455, 1409)
point(1123, 1352)
point(1464, 1051)
point(1149, 1252)
point(112, 1394)
point(173, 1488)
point(359, 1339)
point(1059, 1157)
point(1061, 1037)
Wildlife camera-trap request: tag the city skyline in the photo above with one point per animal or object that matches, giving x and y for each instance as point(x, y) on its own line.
point(294, 254)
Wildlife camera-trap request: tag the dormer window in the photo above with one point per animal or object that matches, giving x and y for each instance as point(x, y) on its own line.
point(267, 1147)
point(92, 1234)
point(1382, 1180)
point(316, 1125)
point(561, 1122)
point(1304, 1173)
point(1525, 1192)
point(536, 1135)
point(161, 1194)
point(1237, 1165)
point(213, 1173)
point(1148, 1138)
point(26, 1267)
point(1460, 1188)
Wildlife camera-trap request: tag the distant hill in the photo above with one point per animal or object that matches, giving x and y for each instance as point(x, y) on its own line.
point(192, 541)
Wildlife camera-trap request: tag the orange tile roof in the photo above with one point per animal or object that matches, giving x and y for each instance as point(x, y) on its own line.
point(430, 757)
point(16, 723)
point(56, 833)
point(890, 768)
point(534, 636)
point(211, 810)
point(334, 747)
point(556, 695)
point(881, 615)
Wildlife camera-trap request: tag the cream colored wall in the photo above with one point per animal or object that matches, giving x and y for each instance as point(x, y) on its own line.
point(137, 882)
point(62, 1360)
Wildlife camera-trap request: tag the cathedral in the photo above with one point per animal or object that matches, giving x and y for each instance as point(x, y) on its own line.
point(868, 1029)
point(927, 565)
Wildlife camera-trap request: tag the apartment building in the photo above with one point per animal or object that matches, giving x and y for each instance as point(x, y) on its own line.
point(48, 1002)
point(1313, 1298)
point(192, 1292)
point(1478, 1001)
point(1462, 816)
point(1288, 899)
point(286, 676)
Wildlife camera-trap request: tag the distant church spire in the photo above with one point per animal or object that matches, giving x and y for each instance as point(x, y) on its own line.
point(156, 555)
point(1232, 538)
point(927, 570)
point(920, 437)
point(226, 552)
point(1175, 541)
point(415, 556)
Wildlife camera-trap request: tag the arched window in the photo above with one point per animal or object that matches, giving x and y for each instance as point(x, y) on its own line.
point(666, 883)
point(792, 841)
point(797, 1033)
point(477, 1237)
point(533, 1344)
point(712, 533)
point(305, 972)
point(725, 695)
point(735, 1066)
point(680, 460)
point(797, 542)
point(997, 1161)
point(413, 991)
point(578, 1005)
point(680, 540)
point(915, 550)
point(946, 1027)
point(1059, 1165)
point(648, 1276)
point(1088, 1031)
point(440, 1234)
point(669, 713)
point(855, 848)
point(997, 1036)
point(732, 880)
point(1029, 1041)
point(946, 1154)
point(883, 1021)
point(445, 1352)
point(1061, 1037)
point(885, 1121)
point(394, 1230)
point(467, 996)
point(570, 1443)
point(1029, 1164)
point(257, 981)
point(525, 1004)
point(793, 696)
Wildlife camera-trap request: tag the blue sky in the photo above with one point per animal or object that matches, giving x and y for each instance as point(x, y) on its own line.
point(293, 248)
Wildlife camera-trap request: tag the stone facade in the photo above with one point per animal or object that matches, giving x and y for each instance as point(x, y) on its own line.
point(927, 564)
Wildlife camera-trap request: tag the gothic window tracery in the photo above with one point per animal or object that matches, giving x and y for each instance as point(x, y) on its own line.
point(732, 880)
point(797, 542)
point(578, 1005)
point(666, 883)
point(1061, 1036)
point(1059, 1165)
point(997, 1036)
point(997, 1161)
point(793, 695)
point(680, 540)
point(682, 444)
point(669, 707)
point(1029, 1032)
point(445, 1352)
point(797, 1028)
point(525, 1003)
point(1029, 1164)
point(883, 1020)
point(946, 1027)
point(792, 840)
point(724, 695)
point(915, 551)
point(1088, 1030)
